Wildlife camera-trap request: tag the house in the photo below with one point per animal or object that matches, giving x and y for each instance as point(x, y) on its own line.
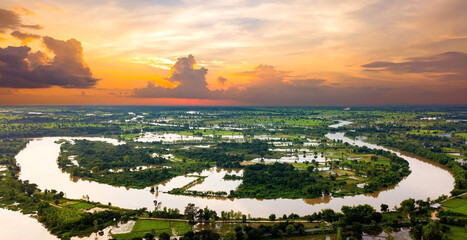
point(435, 205)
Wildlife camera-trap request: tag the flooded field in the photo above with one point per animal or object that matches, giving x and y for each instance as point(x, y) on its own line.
point(214, 181)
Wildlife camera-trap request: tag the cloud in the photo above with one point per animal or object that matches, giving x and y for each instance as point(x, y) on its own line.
point(6, 91)
point(35, 26)
point(25, 37)
point(8, 20)
point(187, 81)
point(262, 74)
point(445, 66)
point(267, 85)
point(23, 11)
point(11, 20)
point(21, 68)
point(221, 80)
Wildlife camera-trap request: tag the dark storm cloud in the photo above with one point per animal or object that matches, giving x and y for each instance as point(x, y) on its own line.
point(25, 37)
point(21, 68)
point(8, 20)
point(445, 66)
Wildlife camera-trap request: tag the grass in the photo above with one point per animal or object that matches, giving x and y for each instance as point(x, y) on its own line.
point(457, 233)
point(129, 136)
point(458, 204)
point(426, 132)
point(464, 135)
point(181, 227)
point(155, 227)
point(394, 216)
point(81, 205)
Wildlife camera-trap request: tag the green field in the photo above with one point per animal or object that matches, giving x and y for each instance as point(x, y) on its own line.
point(426, 132)
point(82, 205)
point(458, 204)
point(464, 135)
point(457, 233)
point(155, 227)
point(129, 136)
point(181, 227)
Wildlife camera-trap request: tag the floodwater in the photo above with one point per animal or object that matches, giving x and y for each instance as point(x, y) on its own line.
point(294, 158)
point(38, 165)
point(215, 181)
point(106, 232)
point(340, 124)
point(13, 226)
point(166, 137)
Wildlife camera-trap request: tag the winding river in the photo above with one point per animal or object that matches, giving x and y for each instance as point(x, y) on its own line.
point(38, 163)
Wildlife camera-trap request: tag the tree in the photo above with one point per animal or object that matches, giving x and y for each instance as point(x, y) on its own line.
point(361, 213)
point(190, 211)
point(213, 221)
point(95, 223)
point(229, 236)
point(290, 229)
point(328, 215)
point(164, 236)
point(322, 226)
point(301, 230)
point(149, 236)
point(281, 234)
point(272, 217)
point(339, 234)
point(408, 205)
point(384, 207)
point(157, 205)
point(432, 231)
point(357, 230)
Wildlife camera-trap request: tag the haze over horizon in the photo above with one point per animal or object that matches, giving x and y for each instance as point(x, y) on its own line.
point(235, 52)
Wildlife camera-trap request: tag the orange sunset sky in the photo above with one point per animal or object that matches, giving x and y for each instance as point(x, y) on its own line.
point(233, 52)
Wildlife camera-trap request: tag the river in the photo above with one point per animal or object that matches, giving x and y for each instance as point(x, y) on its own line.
point(13, 226)
point(38, 163)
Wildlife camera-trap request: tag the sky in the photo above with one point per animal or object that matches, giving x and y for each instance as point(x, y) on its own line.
point(233, 52)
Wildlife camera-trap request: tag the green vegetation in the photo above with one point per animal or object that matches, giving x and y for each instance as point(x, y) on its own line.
point(81, 205)
point(280, 180)
point(118, 165)
point(457, 204)
point(155, 228)
point(457, 233)
point(67, 222)
point(283, 180)
point(61, 216)
point(205, 132)
point(438, 134)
